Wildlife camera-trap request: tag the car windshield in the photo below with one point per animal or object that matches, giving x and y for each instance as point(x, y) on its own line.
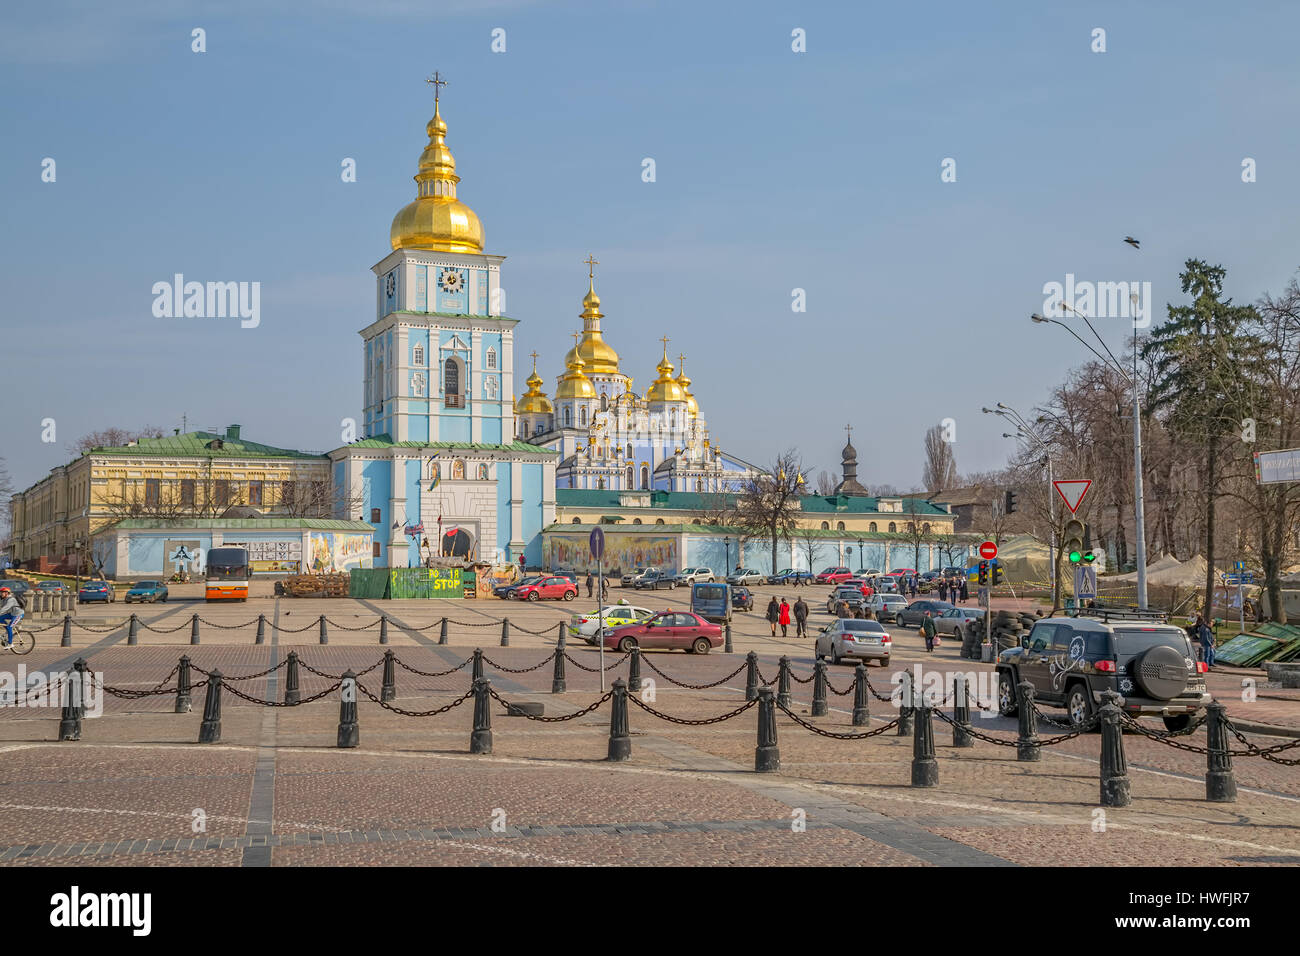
point(848, 592)
point(872, 626)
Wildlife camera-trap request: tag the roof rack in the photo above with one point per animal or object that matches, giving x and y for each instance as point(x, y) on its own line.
point(1108, 614)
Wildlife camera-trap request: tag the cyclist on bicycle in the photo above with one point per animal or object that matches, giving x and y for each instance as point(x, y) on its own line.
point(11, 612)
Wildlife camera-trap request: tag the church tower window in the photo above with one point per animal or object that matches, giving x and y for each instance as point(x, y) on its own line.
point(604, 402)
point(629, 456)
point(418, 358)
point(568, 419)
point(451, 397)
point(492, 388)
point(631, 477)
point(582, 417)
point(645, 478)
point(491, 358)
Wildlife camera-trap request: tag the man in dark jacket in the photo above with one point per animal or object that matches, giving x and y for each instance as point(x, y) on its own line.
point(800, 618)
point(928, 629)
point(590, 583)
point(773, 614)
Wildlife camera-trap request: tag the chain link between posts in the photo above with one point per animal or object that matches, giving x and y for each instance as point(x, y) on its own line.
point(596, 670)
point(672, 680)
point(636, 699)
point(520, 670)
point(552, 720)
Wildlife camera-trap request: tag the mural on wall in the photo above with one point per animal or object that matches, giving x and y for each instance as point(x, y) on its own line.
point(339, 552)
point(264, 556)
point(623, 552)
point(184, 555)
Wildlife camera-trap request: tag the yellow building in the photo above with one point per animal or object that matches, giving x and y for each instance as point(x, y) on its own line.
point(195, 475)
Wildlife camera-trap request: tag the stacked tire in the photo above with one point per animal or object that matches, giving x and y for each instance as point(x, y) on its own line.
point(1007, 628)
point(972, 639)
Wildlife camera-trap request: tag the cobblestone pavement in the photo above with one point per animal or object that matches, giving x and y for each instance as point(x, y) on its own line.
point(277, 791)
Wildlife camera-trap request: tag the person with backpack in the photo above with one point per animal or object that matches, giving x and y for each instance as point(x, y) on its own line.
point(12, 610)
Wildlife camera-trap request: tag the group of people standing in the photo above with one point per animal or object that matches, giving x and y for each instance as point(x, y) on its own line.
point(780, 614)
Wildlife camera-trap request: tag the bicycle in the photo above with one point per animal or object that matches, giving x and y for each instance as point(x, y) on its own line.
point(23, 641)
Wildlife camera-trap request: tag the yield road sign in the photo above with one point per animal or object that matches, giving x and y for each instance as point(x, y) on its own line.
point(988, 550)
point(1072, 491)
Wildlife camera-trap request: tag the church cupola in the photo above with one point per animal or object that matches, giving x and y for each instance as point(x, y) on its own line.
point(849, 464)
point(665, 388)
point(597, 355)
point(692, 406)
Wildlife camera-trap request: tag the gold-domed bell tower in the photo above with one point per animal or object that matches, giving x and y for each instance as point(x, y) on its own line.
point(692, 406)
point(665, 388)
point(534, 411)
point(598, 356)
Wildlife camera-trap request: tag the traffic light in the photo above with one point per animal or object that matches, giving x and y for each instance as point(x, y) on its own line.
point(984, 572)
point(1011, 505)
point(997, 573)
point(1088, 556)
point(1074, 532)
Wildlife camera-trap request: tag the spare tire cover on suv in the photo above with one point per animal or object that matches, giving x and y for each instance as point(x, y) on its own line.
point(1161, 672)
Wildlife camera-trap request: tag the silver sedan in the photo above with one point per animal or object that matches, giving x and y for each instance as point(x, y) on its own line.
point(857, 639)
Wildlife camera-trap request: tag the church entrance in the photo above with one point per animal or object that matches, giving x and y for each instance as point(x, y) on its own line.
point(456, 543)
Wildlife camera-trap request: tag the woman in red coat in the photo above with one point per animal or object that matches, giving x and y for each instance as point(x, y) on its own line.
point(785, 618)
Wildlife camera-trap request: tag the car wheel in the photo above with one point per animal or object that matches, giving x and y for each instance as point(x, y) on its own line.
point(884, 662)
point(1178, 723)
point(1078, 704)
point(532, 595)
point(627, 644)
point(835, 655)
point(701, 645)
point(1008, 705)
point(570, 595)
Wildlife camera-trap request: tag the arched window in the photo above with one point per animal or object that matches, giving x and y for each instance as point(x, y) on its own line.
point(491, 358)
point(631, 477)
point(659, 520)
point(629, 451)
point(699, 485)
point(911, 528)
point(645, 478)
point(892, 527)
point(575, 520)
point(826, 526)
point(697, 521)
point(451, 397)
point(925, 528)
point(568, 416)
point(840, 526)
point(537, 430)
point(604, 402)
point(872, 526)
point(582, 417)
point(672, 418)
point(600, 451)
point(600, 483)
point(636, 520)
point(418, 358)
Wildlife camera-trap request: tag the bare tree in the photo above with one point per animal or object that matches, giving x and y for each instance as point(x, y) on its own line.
point(113, 438)
point(825, 484)
point(810, 541)
point(770, 504)
point(717, 508)
point(6, 517)
point(915, 531)
point(318, 499)
point(940, 472)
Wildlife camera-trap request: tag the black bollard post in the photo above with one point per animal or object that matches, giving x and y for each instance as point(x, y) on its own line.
point(442, 632)
point(349, 730)
point(194, 629)
point(389, 690)
point(476, 670)
point(783, 683)
point(324, 632)
point(67, 631)
point(383, 629)
point(620, 740)
point(210, 729)
point(1027, 743)
point(961, 727)
point(505, 632)
point(291, 693)
point(558, 684)
point(81, 667)
point(634, 670)
point(905, 705)
point(70, 723)
point(767, 756)
point(726, 648)
point(1220, 781)
point(819, 689)
point(183, 702)
point(560, 637)
point(1115, 787)
point(861, 709)
point(751, 676)
point(480, 740)
point(925, 769)
point(261, 630)
point(132, 632)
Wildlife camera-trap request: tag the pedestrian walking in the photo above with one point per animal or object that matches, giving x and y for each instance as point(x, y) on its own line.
point(1207, 643)
point(773, 614)
point(927, 629)
point(785, 618)
point(913, 585)
point(591, 583)
point(604, 589)
point(943, 589)
point(965, 591)
point(800, 617)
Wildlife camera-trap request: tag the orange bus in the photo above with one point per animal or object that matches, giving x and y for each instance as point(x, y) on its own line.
point(227, 574)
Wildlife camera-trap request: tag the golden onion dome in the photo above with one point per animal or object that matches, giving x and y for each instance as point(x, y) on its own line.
point(575, 384)
point(664, 388)
point(436, 219)
point(534, 401)
point(597, 354)
point(691, 405)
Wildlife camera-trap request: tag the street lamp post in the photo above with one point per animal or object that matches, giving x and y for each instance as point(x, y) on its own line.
point(861, 566)
point(726, 542)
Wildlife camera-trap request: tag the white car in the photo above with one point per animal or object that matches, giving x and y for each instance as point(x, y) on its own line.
point(692, 575)
point(627, 579)
point(746, 576)
point(589, 626)
point(854, 639)
point(886, 606)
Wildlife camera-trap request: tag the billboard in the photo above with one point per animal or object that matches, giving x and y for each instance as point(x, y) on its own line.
point(1274, 467)
point(283, 556)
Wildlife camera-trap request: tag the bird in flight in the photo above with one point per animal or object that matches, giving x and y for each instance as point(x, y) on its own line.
point(1131, 241)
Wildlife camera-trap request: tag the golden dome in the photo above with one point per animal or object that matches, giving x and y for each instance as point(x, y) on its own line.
point(575, 384)
point(534, 401)
point(664, 388)
point(436, 219)
point(691, 405)
point(596, 354)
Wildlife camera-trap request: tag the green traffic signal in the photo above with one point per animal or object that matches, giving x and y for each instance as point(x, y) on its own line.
point(1075, 557)
point(1089, 558)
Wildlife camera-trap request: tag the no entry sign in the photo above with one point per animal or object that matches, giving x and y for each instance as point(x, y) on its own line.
point(988, 550)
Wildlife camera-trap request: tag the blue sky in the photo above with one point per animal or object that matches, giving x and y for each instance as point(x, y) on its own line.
point(775, 170)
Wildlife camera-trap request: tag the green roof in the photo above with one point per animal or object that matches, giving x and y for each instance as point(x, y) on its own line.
point(704, 501)
point(195, 444)
point(240, 524)
point(900, 537)
point(383, 441)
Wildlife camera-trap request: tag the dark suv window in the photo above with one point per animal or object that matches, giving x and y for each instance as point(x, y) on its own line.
point(1133, 640)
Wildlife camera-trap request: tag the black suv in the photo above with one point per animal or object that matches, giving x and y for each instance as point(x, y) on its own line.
point(1070, 661)
point(654, 580)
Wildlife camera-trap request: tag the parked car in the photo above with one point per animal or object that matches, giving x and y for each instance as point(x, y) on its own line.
point(627, 579)
point(507, 591)
point(791, 576)
point(695, 575)
point(849, 595)
point(670, 630)
point(589, 627)
point(746, 576)
point(1072, 661)
point(151, 591)
point(742, 599)
point(884, 584)
point(548, 587)
point(849, 639)
point(914, 612)
point(886, 606)
point(51, 587)
point(862, 584)
point(833, 576)
point(96, 591)
point(655, 580)
point(17, 585)
point(712, 601)
point(954, 622)
point(571, 575)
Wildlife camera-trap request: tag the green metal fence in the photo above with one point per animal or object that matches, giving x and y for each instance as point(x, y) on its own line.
point(379, 583)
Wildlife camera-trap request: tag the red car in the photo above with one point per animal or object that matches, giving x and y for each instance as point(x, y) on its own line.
point(669, 630)
point(834, 576)
point(548, 587)
point(866, 589)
